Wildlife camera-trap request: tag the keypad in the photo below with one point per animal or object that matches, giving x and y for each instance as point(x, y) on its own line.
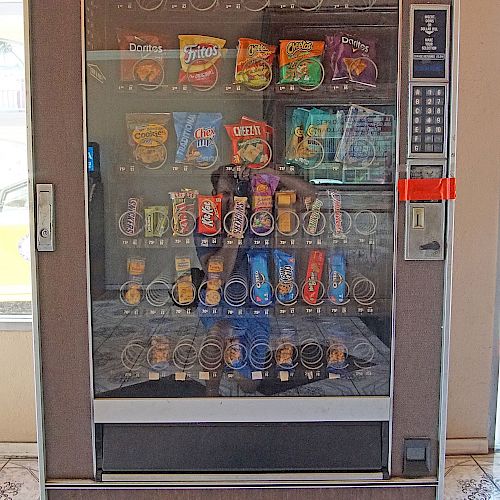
point(428, 118)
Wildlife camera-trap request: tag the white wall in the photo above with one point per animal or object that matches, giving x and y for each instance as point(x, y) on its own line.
point(17, 388)
point(477, 213)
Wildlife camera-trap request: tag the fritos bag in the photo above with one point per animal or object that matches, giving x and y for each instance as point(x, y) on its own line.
point(200, 56)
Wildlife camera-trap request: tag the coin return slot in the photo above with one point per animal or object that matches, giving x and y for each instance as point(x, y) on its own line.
point(418, 216)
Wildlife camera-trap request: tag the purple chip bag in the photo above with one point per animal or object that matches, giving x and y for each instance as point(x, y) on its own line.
point(351, 58)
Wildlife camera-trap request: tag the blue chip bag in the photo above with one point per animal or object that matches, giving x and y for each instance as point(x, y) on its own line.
point(197, 137)
point(286, 287)
point(261, 289)
point(336, 278)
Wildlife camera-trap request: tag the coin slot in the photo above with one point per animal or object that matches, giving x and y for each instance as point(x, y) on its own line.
point(418, 218)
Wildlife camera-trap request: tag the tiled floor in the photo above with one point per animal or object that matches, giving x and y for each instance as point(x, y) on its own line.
point(467, 478)
point(473, 477)
point(18, 479)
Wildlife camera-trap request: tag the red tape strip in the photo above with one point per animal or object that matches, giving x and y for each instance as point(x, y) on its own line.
point(427, 189)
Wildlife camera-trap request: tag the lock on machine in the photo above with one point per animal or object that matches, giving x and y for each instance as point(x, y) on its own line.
point(425, 191)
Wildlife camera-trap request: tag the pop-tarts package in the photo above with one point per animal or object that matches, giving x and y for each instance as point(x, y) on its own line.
point(286, 288)
point(261, 289)
point(336, 278)
point(197, 138)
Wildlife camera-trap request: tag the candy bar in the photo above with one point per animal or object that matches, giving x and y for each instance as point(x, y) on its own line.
point(336, 211)
point(209, 214)
point(183, 218)
point(314, 217)
point(239, 220)
point(312, 287)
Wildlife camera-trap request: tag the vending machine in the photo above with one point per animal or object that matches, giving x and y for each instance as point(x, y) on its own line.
point(243, 220)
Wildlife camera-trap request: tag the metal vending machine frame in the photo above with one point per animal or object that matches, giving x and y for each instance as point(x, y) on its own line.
point(66, 411)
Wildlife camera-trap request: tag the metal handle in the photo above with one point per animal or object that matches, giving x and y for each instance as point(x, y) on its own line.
point(45, 218)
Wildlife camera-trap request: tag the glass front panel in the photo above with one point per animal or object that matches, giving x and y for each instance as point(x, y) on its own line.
point(241, 196)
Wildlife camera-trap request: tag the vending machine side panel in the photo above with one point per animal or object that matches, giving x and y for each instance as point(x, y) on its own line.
point(59, 159)
point(419, 307)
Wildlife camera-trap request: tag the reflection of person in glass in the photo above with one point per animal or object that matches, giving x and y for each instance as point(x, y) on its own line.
point(244, 337)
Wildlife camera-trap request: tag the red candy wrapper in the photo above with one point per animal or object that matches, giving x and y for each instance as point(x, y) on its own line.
point(209, 214)
point(312, 285)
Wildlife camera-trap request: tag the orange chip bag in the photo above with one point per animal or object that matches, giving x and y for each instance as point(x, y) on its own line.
point(199, 57)
point(254, 63)
point(300, 62)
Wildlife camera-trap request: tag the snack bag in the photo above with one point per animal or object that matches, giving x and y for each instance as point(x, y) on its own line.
point(295, 132)
point(263, 188)
point(160, 352)
point(306, 131)
point(147, 136)
point(197, 138)
point(336, 357)
point(136, 267)
point(300, 62)
point(200, 57)
point(326, 128)
point(261, 289)
point(336, 278)
point(214, 280)
point(254, 63)
point(286, 288)
point(250, 143)
point(317, 123)
point(184, 284)
point(286, 216)
point(144, 57)
point(352, 58)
